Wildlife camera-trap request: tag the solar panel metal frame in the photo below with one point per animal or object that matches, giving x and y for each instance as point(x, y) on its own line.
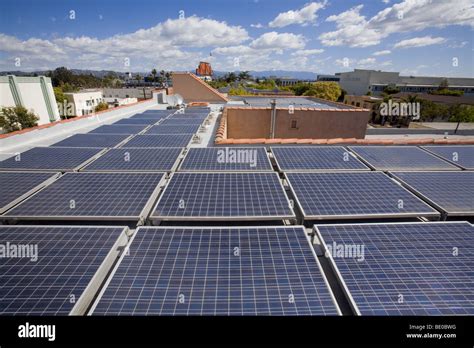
point(127, 145)
point(425, 197)
point(332, 262)
point(140, 218)
point(172, 129)
point(109, 126)
point(299, 170)
point(431, 151)
point(185, 170)
point(353, 149)
point(86, 299)
point(100, 152)
point(158, 218)
point(21, 198)
point(173, 168)
point(433, 214)
point(123, 122)
point(127, 138)
point(112, 274)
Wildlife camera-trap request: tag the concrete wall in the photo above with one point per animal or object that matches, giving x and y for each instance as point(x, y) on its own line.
point(310, 123)
point(193, 89)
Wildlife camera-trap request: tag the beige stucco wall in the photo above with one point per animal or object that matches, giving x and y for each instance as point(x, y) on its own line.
point(192, 89)
point(311, 124)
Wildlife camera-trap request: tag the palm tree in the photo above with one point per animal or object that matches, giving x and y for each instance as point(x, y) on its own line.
point(154, 72)
point(138, 78)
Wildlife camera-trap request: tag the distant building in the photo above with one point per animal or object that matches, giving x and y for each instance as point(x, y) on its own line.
point(204, 71)
point(288, 81)
point(33, 93)
point(84, 102)
point(137, 92)
point(328, 78)
point(359, 82)
point(114, 102)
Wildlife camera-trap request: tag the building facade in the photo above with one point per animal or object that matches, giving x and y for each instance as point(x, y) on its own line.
point(36, 94)
point(138, 92)
point(84, 102)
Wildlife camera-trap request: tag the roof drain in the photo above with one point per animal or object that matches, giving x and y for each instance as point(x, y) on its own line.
point(273, 121)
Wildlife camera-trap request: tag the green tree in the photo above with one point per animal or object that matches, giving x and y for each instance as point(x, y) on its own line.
point(154, 73)
point(101, 106)
point(244, 75)
point(325, 90)
point(17, 118)
point(138, 78)
point(461, 113)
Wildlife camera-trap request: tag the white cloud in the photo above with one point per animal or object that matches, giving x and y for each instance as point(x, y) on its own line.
point(420, 42)
point(355, 30)
point(381, 53)
point(303, 16)
point(305, 53)
point(278, 41)
point(258, 25)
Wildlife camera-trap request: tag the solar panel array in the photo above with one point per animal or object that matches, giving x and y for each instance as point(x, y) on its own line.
point(226, 159)
point(354, 195)
point(136, 159)
point(180, 121)
point(173, 129)
point(92, 140)
point(160, 140)
point(452, 192)
point(462, 156)
point(91, 196)
point(316, 158)
point(50, 158)
point(118, 129)
point(134, 121)
point(400, 158)
point(218, 271)
point(224, 196)
point(56, 266)
point(407, 268)
point(15, 185)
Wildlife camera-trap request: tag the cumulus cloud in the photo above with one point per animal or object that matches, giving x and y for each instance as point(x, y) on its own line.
point(420, 42)
point(303, 16)
point(304, 53)
point(355, 30)
point(381, 53)
point(278, 41)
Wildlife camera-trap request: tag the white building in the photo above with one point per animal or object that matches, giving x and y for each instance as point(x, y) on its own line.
point(360, 81)
point(36, 94)
point(114, 102)
point(84, 102)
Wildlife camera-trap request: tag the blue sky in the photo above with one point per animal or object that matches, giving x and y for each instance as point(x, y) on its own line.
point(416, 37)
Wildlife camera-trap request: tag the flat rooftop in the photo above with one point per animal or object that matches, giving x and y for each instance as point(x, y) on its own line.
point(285, 102)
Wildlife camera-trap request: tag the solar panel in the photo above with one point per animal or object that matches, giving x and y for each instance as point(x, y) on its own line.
point(159, 112)
point(218, 271)
point(161, 140)
point(156, 117)
point(118, 129)
point(189, 116)
point(50, 158)
point(451, 192)
point(56, 270)
point(462, 156)
point(316, 158)
point(347, 195)
point(174, 129)
point(133, 121)
point(92, 140)
point(226, 159)
point(139, 160)
point(223, 196)
point(423, 268)
point(400, 158)
point(92, 196)
point(15, 186)
point(180, 121)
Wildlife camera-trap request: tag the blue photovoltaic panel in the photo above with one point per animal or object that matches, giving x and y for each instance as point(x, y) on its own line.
point(316, 158)
point(180, 121)
point(140, 160)
point(158, 112)
point(462, 156)
point(134, 121)
point(68, 257)
point(221, 196)
point(218, 271)
point(354, 195)
point(156, 117)
point(453, 192)
point(160, 140)
point(50, 158)
point(405, 268)
point(91, 196)
point(226, 158)
point(118, 129)
point(400, 158)
point(92, 140)
point(173, 129)
point(14, 185)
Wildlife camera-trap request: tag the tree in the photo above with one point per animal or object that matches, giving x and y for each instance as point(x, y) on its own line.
point(17, 118)
point(101, 106)
point(230, 77)
point(154, 73)
point(244, 75)
point(461, 113)
point(391, 90)
point(325, 90)
point(138, 78)
point(443, 84)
